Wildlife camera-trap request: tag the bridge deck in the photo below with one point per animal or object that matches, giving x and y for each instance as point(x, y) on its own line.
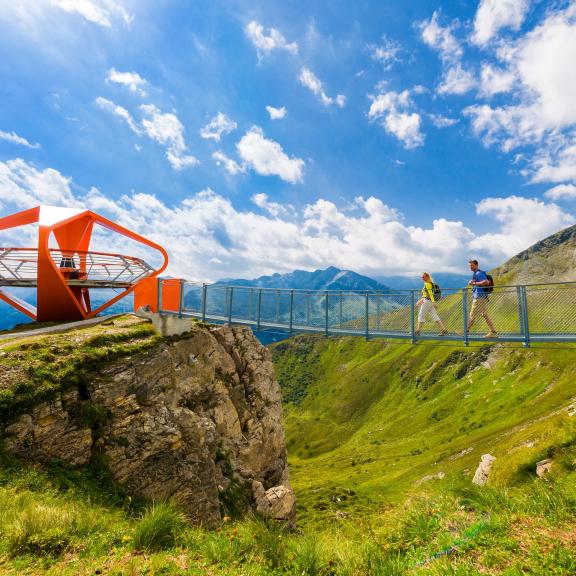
point(521, 314)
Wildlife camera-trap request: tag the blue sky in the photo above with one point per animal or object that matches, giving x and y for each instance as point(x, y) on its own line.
point(251, 137)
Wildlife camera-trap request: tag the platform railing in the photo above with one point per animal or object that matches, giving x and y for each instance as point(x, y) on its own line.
point(19, 266)
point(523, 314)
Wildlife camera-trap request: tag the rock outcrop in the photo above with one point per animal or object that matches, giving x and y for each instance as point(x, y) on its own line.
point(483, 471)
point(197, 418)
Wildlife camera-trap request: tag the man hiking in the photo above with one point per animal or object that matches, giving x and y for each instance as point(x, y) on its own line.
point(480, 298)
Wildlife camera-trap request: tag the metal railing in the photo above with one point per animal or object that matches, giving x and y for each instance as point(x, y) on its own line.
point(19, 267)
point(524, 314)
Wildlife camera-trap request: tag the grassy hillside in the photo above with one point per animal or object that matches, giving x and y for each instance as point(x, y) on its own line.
point(550, 260)
point(376, 418)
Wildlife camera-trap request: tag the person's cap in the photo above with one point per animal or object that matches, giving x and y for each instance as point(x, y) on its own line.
point(473, 262)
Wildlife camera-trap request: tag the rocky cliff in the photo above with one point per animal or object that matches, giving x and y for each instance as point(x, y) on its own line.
point(197, 418)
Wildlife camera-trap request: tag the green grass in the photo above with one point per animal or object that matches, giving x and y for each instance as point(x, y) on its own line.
point(38, 368)
point(365, 422)
point(376, 418)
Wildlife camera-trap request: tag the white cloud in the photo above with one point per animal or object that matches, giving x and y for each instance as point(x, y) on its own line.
point(230, 165)
point(561, 192)
point(494, 15)
point(100, 12)
point(494, 81)
point(440, 38)
point(208, 238)
point(166, 129)
point(274, 208)
point(392, 110)
point(13, 138)
point(442, 121)
point(276, 113)
point(385, 53)
point(119, 111)
point(133, 81)
point(267, 157)
point(312, 82)
point(219, 125)
point(544, 112)
point(266, 43)
point(23, 186)
point(524, 221)
point(455, 78)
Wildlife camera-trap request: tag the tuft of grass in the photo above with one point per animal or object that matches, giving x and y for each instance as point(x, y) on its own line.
point(160, 527)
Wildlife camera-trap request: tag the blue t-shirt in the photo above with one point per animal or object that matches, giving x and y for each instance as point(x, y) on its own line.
point(478, 291)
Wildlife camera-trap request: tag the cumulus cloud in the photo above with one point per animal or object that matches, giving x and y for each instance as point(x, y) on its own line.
point(209, 238)
point(442, 121)
point(544, 112)
point(523, 221)
point(494, 15)
point(163, 127)
point(455, 78)
point(385, 53)
point(166, 129)
point(312, 82)
point(230, 165)
point(119, 111)
point(219, 125)
point(391, 109)
point(495, 81)
point(274, 208)
point(562, 192)
point(276, 113)
point(267, 157)
point(267, 42)
point(13, 138)
point(133, 81)
point(101, 12)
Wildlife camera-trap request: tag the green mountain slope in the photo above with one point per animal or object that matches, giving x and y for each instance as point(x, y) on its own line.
point(376, 418)
point(550, 260)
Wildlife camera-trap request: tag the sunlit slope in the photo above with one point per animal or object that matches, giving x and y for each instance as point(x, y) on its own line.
point(376, 417)
point(550, 260)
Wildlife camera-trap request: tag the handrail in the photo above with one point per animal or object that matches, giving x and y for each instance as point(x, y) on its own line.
point(542, 312)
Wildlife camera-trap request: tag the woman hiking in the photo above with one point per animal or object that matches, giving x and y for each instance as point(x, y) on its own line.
point(427, 305)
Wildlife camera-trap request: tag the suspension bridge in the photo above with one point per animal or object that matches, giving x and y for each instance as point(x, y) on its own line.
point(523, 314)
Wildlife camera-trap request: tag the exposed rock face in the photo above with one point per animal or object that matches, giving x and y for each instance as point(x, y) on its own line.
point(543, 467)
point(483, 471)
point(198, 418)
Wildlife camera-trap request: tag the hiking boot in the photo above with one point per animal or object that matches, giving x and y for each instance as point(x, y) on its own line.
point(491, 334)
point(443, 333)
point(416, 332)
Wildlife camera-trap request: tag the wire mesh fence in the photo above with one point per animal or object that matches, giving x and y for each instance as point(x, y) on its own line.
point(545, 312)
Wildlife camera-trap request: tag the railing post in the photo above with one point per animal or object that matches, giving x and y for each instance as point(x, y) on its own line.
point(250, 295)
point(230, 305)
point(525, 313)
point(378, 311)
point(520, 310)
point(465, 315)
point(326, 311)
point(159, 295)
point(366, 318)
point(277, 306)
point(291, 309)
point(259, 309)
point(204, 295)
point(412, 316)
point(181, 299)
point(308, 309)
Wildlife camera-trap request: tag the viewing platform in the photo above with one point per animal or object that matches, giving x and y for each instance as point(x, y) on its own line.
point(19, 268)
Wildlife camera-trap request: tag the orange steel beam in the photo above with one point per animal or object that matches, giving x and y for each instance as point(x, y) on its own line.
point(56, 300)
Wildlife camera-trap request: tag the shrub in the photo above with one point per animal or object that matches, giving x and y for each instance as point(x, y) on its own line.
point(159, 527)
